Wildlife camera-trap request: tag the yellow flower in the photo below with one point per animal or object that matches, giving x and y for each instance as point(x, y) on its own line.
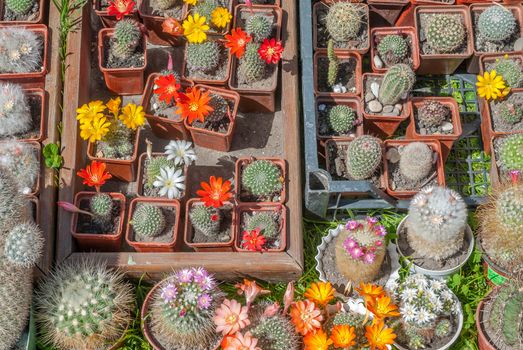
point(88, 112)
point(114, 106)
point(194, 28)
point(133, 116)
point(220, 17)
point(491, 86)
point(321, 293)
point(95, 129)
point(190, 2)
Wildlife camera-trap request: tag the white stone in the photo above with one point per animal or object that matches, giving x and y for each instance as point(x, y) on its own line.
point(518, 45)
point(337, 88)
point(393, 155)
point(375, 106)
point(446, 126)
point(388, 109)
point(378, 63)
point(375, 88)
point(398, 106)
point(321, 107)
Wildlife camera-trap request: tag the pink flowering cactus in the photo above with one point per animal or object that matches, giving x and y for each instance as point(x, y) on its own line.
point(358, 251)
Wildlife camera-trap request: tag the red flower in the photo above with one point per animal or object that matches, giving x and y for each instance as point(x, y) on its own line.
point(167, 88)
point(215, 192)
point(253, 240)
point(94, 174)
point(172, 27)
point(270, 51)
point(236, 41)
point(120, 8)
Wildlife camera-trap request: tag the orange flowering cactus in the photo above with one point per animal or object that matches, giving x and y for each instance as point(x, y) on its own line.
point(94, 175)
point(215, 193)
point(237, 41)
point(194, 105)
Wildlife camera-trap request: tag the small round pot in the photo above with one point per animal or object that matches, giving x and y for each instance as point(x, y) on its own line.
point(483, 342)
point(494, 274)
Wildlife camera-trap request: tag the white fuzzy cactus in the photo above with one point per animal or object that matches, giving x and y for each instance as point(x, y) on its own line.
point(15, 114)
point(20, 51)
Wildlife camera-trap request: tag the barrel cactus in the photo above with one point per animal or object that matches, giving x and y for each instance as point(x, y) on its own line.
point(275, 332)
point(127, 35)
point(265, 222)
point(24, 245)
point(148, 220)
point(203, 57)
point(364, 156)
point(205, 8)
point(496, 23)
point(252, 67)
point(432, 113)
point(510, 112)
point(19, 7)
point(445, 33)
point(207, 220)
point(341, 119)
point(14, 110)
point(162, 5)
point(258, 26)
point(262, 178)
point(397, 82)
point(101, 206)
point(21, 51)
point(511, 71)
point(332, 73)
point(416, 161)
point(393, 49)
point(344, 21)
point(220, 108)
point(117, 143)
point(511, 153)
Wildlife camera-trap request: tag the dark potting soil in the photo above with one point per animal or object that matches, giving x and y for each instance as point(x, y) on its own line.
point(149, 190)
point(86, 224)
point(337, 158)
point(323, 36)
point(167, 234)
point(137, 60)
point(225, 229)
point(271, 243)
point(174, 12)
point(422, 129)
point(35, 106)
point(483, 45)
point(218, 74)
point(504, 176)
point(346, 74)
point(492, 330)
point(491, 65)
point(408, 39)
point(424, 47)
point(398, 182)
point(324, 128)
point(222, 126)
point(427, 263)
point(499, 124)
point(31, 15)
point(246, 196)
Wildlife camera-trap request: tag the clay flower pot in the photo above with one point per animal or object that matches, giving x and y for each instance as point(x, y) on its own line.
point(443, 63)
point(405, 32)
point(483, 342)
point(208, 246)
point(342, 56)
point(212, 139)
point(107, 20)
point(487, 59)
point(122, 169)
point(440, 166)
point(386, 11)
point(446, 140)
point(153, 23)
point(103, 241)
point(257, 99)
point(267, 207)
point(123, 81)
point(210, 81)
point(172, 245)
point(37, 19)
point(406, 18)
point(352, 102)
point(243, 162)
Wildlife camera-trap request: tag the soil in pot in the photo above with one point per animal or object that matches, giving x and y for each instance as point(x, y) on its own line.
point(31, 15)
point(424, 20)
point(481, 44)
point(271, 242)
point(148, 190)
point(86, 224)
point(511, 106)
point(220, 73)
point(35, 107)
point(324, 128)
point(383, 62)
point(445, 128)
point(175, 12)
point(136, 60)
point(225, 233)
point(346, 76)
point(166, 236)
point(373, 106)
point(221, 126)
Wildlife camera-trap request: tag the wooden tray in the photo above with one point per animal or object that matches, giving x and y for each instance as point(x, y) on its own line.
point(283, 136)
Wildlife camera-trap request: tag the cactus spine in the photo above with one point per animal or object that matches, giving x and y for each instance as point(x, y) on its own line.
point(101, 205)
point(265, 222)
point(511, 71)
point(432, 113)
point(15, 113)
point(445, 33)
point(21, 51)
point(364, 156)
point(220, 108)
point(154, 165)
point(510, 113)
point(332, 73)
point(341, 119)
point(343, 21)
point(162, 5)
point(496, 23)
point(397, 82)
point(505, 317)
point(203, 57)
point(262, 178)
point(148, 220)
point(252, 68)
point(416, 161)
point(259, 26)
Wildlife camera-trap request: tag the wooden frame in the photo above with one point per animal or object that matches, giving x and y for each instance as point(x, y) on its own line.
point(283, 266)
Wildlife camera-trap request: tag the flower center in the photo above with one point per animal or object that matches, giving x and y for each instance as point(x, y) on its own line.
point(193, 107)
point(241, 42)
point(271, 51)
point(120, 5)
point(168, 183)
point(232, 319)
point(306, 317)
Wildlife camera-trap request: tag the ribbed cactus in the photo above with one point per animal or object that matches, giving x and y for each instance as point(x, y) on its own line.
point(265, 222)
point(505, 316)
point(332, 73)
point(262, 178)
point(252, 68)
point(20, 7)
point(220, 107)
point(511, 71)
point(15, 113)
point(496, 23)
point(416, 161)
point(24, 245)
point(397, 82)
point(364, 156)
point(432, 113)
point(393, 49)
point(21, 51)
point(205, 8)
point(101, 206)
point(344, 21)
point(436, 222)
point(258, 26)
point(148, 220)
point(511, 152)
point(162, 5)
point(274, 332)
point(203, 57)
point(127, 35)
point(510, 112)
point(207, 220)
point(445, 33)
point(83, 305)
point(341, 118)
point(154, 165)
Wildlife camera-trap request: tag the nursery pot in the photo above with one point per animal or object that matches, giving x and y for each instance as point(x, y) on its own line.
point(208, 246)
point(36, 20)
point(104, 242)
point(322, 54)
point(402, 31)
point(444, 63)
point(123, 81)
point(34, 206)
point(494, 274)
point(446, 141)
point(213, 139)
point(156, 35)
point(440, 166)
point(438, 273)
point(172, 245)
point(122, 169)
point(486, 59)
point(218, 81)
point(109, 21)
point(40, 95)
point(244, 161)
point(385, 12)
point(353, 102)
point(257, 207)
point(406, 18)
point(483, 341)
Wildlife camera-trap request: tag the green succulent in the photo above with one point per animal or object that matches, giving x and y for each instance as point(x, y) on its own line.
point(259, 26)
point(264, 221)
point(511, 152)
point(203, 57)
point(445, 33)
point(496, 23)
point(262, 178)
point(207, 220)
point(393, 49)
point(364, 156)
point(341, 118)
point(20, 7)
point(510, 113)
point(344, 21)
point(148, 220)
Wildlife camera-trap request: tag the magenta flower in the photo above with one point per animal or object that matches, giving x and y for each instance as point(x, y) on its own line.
point(352, 225)
point(169, 293)
point(356, 253)
point(204, 301)
point(371, 220)
point(514, 175)
point(379, 243)
point(349, 243)
point(380, 230)
point(183, 312)
point(369, 258)
point(199, 274)
point(185, 276)
point(207, 283)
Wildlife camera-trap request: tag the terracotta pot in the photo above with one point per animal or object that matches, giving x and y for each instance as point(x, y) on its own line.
point(468, 2)
point(322, 6)
point(244, 161)
point(219, 82)
point(483, 342)
point(440, 166)
point(446, 141)
point(341, 56)
point(104, 242)
point(162, 127)
point(486, 59)
point(381, 125)
point(122, 169)
point(109, 21)
point(210, 246)
point(270, 207)
point(444, 63)
point(405, 32)
point(173, 245)
point(385, 11)
point(353, 102)
point(40, 95)
point(156, 35)
point(255, 99)
point(212, 139)
point(123, 81)
point(35, 208)
point(517, 10)
point(38, 19)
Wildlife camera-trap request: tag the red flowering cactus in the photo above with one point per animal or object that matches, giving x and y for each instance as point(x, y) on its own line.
point(94, 175)
point(253, 241)
point(270, 51)
point(120, 8)
point(167, 88)
point(237, 41)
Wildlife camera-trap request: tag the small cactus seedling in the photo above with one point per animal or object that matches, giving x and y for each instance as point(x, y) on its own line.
point(393, 49)
point(127, 36)
point(252, 67)
point(445, 33)
point(341, 119)
point(511, 153)
point(511, 71)
point(332, 73)
point(20, 51)
point(396, 84)
point(15, 114)
point(344, 21)
point(259, 26)
point(203, 57)
point(364, 156)
point(436, 222)
point(416, 161)
point(510, 112)
point(148, 220)
point(207, 220)
point(496, 23)
point(262, 178)
point(19, 7)
point(20, 159)
point(432, 113)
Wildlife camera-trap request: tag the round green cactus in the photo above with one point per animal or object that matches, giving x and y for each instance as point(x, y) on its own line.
point(207, 220)
point(203, 57)
point(509, 208)
point(162, 5)
point(220, 108)
point(259, 26)
point(205, 8)
point(364, 156)
point(393, 49)
point(148, 220)
point(154, 165)
point(511, 71)
point(344, 21)
point(443, 328)
point(416, 161)
point(127, 35)
point(275, 333)
point(496, 23)
point(511, 152)
point(264, 221)
point(19, 7)
point(341, 118)
point(445, 33)
point(397, 82)
point(24, 244)
point(432, 113)
point(510, 113)
point(262, 178)
point(252, 67)
point(101, 205)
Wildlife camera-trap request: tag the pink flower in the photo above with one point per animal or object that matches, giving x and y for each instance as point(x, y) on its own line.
point(514, 175)
point(271, 310)
point(251, 290)
point(349, 244)
point(185, 275)
point(352, 225)
point(380, 230)
point(378, 243)
point(371, 220)
point(169, 293)
point(356, 253)
point(242, 342)
point(369, 258)
point(204, 301)
point(288, 297)
point(230, 317)
point(199, 274)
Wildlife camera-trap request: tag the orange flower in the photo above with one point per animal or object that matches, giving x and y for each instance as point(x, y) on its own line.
point(306, 317)
point(369, 291)
point(194, 105)
point(320, 293)
point(250, 289)
point(172, 27)
point(120, 8)
point(317, 341)
point(382, 307)
point(94, 174)
point(378, 336)
point(167, 89)
point(236, 41)
point(214, 193)
point(343, 336)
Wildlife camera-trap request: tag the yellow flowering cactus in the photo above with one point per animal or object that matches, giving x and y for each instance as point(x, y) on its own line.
point(492, 86)
point(220, 17)
point(132, 116)
point(195, 28)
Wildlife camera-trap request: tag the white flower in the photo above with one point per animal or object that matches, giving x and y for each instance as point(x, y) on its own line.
point(181, 151)
point(409, 294)
point(437, 305)
point(447, 295)
point(424, 316)
point(171, 182)
point(408, 311)
point(437, 285)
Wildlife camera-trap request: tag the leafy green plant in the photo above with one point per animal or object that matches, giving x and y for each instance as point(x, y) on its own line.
point(51, 153)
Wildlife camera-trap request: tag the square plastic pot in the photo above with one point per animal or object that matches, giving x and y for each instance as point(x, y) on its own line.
point(385, 12)
point(218, 82)
point(40, 95)
point(402, 31)
point(341, 56)
point(486, 59)
point(109, 21)
point(353, 102)
point(156, 35)
point(244, 161)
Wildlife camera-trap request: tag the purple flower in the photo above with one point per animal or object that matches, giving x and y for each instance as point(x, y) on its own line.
point(208, 283)
point(369, 257)
point(352, 225)
point(356, 253)
point(371, 220)
point(380, 230)
point(349, 243)
point(185, 275)
point(204, 301)
point(199, 274)
point(169, 293)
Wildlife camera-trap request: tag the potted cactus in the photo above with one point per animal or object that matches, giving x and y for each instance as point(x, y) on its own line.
point(385, 99)
point(338, 117)
point(154, 13)
point(22, 11)
point(508, 65)
point(21, 159)
point(507, 157)
point(505, 116)
point(218, 14)
point(122, 57)
point(112, 11)
point(260, 179)
point(390, 46)
point(435, 235)
point(208, 62)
